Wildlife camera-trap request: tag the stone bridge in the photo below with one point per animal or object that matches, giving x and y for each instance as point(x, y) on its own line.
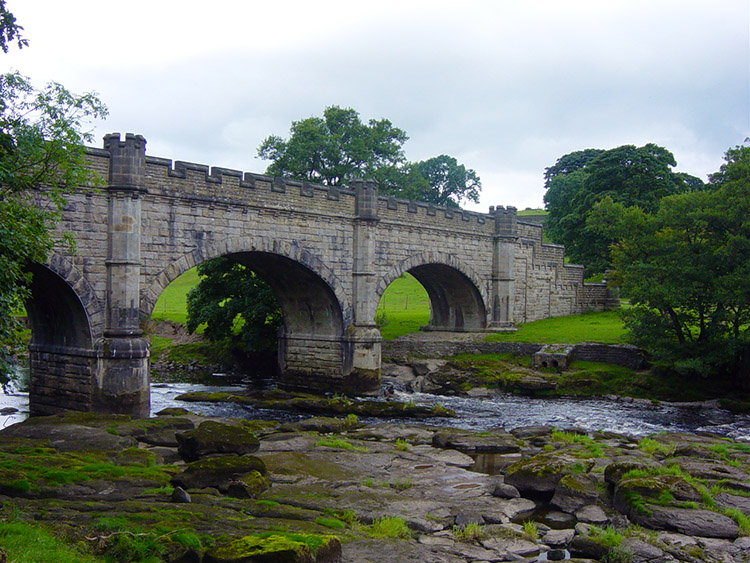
point(329, 254)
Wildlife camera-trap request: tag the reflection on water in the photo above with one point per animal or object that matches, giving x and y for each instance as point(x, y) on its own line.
point(505, 411)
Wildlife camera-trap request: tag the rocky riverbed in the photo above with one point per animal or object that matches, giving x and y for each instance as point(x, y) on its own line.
point(206, 490)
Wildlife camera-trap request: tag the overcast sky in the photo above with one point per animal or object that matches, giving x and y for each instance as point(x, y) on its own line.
point(505, 86)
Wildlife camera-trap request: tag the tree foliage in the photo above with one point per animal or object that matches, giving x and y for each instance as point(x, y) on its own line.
point(339, 147)
point(685, 267)
point(334, 149)
point(234, 304)
point(630, 175)
point(42, 136)
point(10, 31)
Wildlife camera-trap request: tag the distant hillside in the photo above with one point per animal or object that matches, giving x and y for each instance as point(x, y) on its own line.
point(536, 216)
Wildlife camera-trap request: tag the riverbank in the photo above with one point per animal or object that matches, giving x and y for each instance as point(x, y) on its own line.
point(182, 487)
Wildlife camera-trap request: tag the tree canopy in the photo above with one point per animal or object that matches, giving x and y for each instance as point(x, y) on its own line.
point(42, 136)
point(339, 147)
point(633, 176)
point(685, 266)
point(235, 305)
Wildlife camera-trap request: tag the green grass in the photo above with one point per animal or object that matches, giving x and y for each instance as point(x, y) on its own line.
point(172, 303)
point(604, 327)
point(403, 308)
point(526, 212)
point(28, 543)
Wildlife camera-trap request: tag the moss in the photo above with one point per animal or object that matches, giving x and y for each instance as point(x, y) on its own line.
point(272, 547)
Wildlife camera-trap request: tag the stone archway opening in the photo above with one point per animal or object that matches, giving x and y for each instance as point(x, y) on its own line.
point(403, 308)
point(62, 360)
point(455, 302)
point(311, 343)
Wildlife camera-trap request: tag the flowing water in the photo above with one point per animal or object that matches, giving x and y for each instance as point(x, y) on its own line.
point(505, 411)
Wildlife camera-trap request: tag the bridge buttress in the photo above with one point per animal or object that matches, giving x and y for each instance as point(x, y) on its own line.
point(122, 372)
point(363, 336)
point(503, 257)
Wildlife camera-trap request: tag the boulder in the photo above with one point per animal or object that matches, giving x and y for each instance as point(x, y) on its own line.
point(217, 472)
point(540, 474)
point(559, 538)
point(498, 442)
point(503, 490)
point(691, 522)
point(212, 438)
point(592, 514)
point(574, 491)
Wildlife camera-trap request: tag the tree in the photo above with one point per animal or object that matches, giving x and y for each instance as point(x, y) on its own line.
point(337, 148)
point(235, 305)
point(629, 175)
point(685, 268)
point(448, 182)
point(42, 136)
point(334, 149)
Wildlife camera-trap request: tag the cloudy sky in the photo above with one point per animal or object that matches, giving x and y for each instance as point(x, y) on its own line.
point(505, 86)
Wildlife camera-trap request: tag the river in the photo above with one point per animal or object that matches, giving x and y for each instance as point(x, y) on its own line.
point(636, 418)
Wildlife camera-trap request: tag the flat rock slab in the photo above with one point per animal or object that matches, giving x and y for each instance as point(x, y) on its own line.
point(687, 521)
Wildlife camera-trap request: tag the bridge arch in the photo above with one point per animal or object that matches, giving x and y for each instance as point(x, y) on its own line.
point(458, 299)
point(64, 315)
point(291, 250)
point(316, 313)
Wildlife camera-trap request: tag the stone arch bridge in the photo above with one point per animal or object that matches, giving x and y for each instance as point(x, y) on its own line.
point(328, 253)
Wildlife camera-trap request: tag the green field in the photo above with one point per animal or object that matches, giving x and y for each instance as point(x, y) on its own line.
point(405, 307)
point(172, 303)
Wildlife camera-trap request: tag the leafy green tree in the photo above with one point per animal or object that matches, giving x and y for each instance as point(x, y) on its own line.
point(685, 268)
point(334, 149)
point(629, 175)
point(339, 147)
point(235, 305)
point(42, 136)
point(448, 182)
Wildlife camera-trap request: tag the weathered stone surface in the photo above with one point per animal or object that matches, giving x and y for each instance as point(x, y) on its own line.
point(573, 492)
point(180, 495)
point(592, 514)
point(540, 473)
point(66, 437)
point(515, 546)
point(503, 490)
point(692, 522)
point(728, 500)
point(640, 551)
point(710, 469)
point(216, 438)
point(583, 546)
point(497, 443)
point(629, 491)
point(217, 472)
point(559, 538)
point(468, 517)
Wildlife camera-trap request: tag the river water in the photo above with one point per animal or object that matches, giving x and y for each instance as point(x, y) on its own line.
point(507, 411)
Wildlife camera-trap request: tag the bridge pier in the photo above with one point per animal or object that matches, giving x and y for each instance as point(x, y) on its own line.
point(122, 370)
point(363, 335)
point(503, 258)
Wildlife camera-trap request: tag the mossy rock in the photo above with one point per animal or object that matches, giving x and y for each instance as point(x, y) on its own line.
point(540, 474)
point(213, 437)
point(217, 471)
point(614, 471)
point(573, 492)
point(277, 548)
point(322, 425)
point(247, 486)
point(632, 495)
